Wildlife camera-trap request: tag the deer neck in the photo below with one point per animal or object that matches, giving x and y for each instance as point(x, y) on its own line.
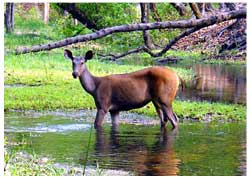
point(88, 81)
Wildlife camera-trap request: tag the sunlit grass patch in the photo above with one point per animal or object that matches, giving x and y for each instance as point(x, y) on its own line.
point(21, 164)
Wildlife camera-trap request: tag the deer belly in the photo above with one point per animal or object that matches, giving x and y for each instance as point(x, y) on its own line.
point(127, 105)
point(130, 96)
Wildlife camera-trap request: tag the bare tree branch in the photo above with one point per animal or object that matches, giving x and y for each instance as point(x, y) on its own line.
point(197, 23)
point(195, 10)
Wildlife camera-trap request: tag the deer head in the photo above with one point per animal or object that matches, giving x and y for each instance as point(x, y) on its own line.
point(78, 63)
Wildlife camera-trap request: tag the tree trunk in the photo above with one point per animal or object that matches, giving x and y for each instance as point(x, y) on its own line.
point(79, 15)
point(222, 6)
point(230, 6)
point(205, 7)
point(46, 13)
point(9, 17)
point(144, 19)
point(195, 10)
point(180, 8)
point(208, 7)
point(199, 23)
point(155, 14)
point(202, 8)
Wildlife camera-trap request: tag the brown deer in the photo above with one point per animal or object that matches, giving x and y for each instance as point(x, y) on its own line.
point(122, 92)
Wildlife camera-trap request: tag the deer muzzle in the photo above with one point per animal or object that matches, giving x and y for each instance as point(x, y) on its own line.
point(75, 74)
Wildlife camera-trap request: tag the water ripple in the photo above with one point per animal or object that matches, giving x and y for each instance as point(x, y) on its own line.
point(61, 128)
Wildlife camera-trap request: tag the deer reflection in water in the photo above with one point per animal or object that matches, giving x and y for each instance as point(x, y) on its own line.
point(217, 83)
point(129, 152)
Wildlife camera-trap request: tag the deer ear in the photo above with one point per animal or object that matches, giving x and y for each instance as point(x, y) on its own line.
point(68, 54)
point(89, 55)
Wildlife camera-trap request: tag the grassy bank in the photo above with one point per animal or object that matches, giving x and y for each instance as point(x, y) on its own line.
point(41, 82)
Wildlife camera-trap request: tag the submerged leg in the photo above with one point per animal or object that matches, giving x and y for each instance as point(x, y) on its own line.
point(168, 113)
point(160, 113)
point(115, 118)
point(99, 117)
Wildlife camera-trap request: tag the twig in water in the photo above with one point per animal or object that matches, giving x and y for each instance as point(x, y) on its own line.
point(87, 153)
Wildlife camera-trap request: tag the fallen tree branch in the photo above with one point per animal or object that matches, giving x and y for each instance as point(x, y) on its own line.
point(172, 42)
point(147, 50)
point(114, 57)
point(198, 23)
point(219, 34)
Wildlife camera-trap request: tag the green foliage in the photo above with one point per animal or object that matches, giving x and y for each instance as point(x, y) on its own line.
point(121, 42)
point(27, 19)
point(167, 13)
point(109, 14)
point(102, 14)
point(68, 28)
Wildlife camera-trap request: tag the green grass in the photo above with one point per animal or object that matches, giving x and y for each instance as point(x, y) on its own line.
point(225, 62)
point(20, 165)
point(17, 163)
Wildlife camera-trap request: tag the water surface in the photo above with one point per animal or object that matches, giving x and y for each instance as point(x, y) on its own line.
point(216, 83)
point(142, 149)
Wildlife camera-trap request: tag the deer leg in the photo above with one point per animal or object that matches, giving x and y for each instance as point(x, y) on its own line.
point(176, 118)
point(160, 113)
point(168, 112)
point(114, 117)
point(99, 118)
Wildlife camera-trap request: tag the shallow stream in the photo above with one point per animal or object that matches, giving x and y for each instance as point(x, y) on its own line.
point(140, 149)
